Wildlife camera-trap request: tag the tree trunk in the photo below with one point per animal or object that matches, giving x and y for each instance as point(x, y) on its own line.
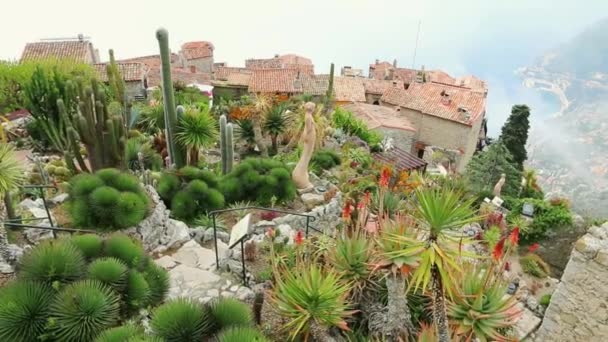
point(259, 139)
point(274, 142)
point(193, 156)
point(440, 315)
point(398, 317)
point(320, 333)
point(3, 235)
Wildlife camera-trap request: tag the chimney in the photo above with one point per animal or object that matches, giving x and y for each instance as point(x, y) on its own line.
point(445, 98)
point(81, 37)
point(395, 63)
point(276, 55)
point(377, 61)
point(193, 69)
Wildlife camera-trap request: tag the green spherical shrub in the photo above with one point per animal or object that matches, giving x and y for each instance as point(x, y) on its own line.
point(108, 176)
point(131, 209)
point(120, 334)
point(240, 334)
point(168, 185)
point(326, 159)
point(258, 180)
point(145, 339)
point(181, 320)
point(52, 261)
point(158, 280)
point(90, 245)
point(83, 310)
point(24, 310)
point(183, 206)
point(111, 272)
point(83, 184)
point(228, 312)
point(137, 291)
point(103, 201)
point(122, 247)
point(126, 182)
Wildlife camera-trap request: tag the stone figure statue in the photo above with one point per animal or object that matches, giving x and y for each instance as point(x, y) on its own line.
point(499, 184)
point(309, 137)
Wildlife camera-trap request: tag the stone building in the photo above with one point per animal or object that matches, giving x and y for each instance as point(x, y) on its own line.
point(134, 75)
point(197, 57)
point(230, 82)
point(288, 61)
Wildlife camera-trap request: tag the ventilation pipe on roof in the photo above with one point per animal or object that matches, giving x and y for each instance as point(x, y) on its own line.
point(445, 98)
point(395, 63)
point(377, 61)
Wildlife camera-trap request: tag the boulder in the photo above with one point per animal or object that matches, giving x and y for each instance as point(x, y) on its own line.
point(221, 235)
point(59, 199)
point(166, 262)
point(193, 255)
point(527, 323)
point(312, 200)
point(176, 234)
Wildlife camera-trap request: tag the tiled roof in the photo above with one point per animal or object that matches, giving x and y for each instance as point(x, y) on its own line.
point(294, 59)
point(152, 61)
point(222, 73)
point(289, 61)
point(349, 89)
point(238, 79)
point(440, 77)
point(267, 63)
point(380, 86)
point(400, 159)
point(471, 82)
point(178, 75)
point(405, 75)
point(275, 80)
point(195, 50)
point(456, 103)
point(79, 51)
point(129, 71)
point(315, 84)
point(377, 71)
point(379, 116)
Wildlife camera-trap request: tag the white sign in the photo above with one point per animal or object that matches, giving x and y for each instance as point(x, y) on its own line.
point(497, 201)
point(239, 230)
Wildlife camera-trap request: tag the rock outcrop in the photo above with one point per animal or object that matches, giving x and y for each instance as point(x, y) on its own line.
point(579, 306)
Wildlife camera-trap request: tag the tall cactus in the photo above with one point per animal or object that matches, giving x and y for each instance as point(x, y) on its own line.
point(226, 147)
point(176, 153)
point(329, 96)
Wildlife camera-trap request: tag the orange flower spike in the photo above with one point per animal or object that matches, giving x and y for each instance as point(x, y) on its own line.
point(514, 236)
point(299, 239)
point(346, 212)
point(498, 249)
point(385, 176)
point(533, 247)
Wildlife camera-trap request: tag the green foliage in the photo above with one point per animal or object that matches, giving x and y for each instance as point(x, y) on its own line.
point(24, 310)
point(276, 122)
point(258, 180)
point(241, 334)
point(11, 172)
point(90, 245)
point(123, 333)
point(351, 257)
point(168, 185)
point(149, 118)
point(229, 312)
point(486, 168)
point(137, 291)
point(109, 271)
point(196, 129)
point(151, 159)
point(244, 131)
point(53, 261)
point(326, 159)
point(491, 236)
point(545, 300)
point(122, 247)
point(307, 294)
point(514, 134)
point(546, 218)
point(534, 265)
point(107, 200)
point(351, 125)
point(158, 282)
point(181, 320)
point(226, 144)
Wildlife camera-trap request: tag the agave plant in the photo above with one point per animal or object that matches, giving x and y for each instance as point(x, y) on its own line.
point(481, 310)
point(229, 312)
point(276, 122)
point(196, 129)
point(137, 290)
point(82, 310)
point(181, 320)
point(53, 261)
point(24, 310)
point(127, 333)
point(312, 299)
point(241, 334)
point(351, 257)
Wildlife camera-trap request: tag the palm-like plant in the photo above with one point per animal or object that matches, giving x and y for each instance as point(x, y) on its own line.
point(312, 299)
point(438, 211)
point(481, 310)
point(276, 122)
point(351, 257)
point(258, 107)
point(196, 129)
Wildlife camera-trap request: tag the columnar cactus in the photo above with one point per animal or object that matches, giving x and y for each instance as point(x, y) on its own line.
point(226, 145)
point(175, 152)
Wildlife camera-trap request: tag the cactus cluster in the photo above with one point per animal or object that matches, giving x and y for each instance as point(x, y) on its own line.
point(226, 145)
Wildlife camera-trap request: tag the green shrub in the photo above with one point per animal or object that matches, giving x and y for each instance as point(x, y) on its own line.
point(258, 180)
point(82, 310)
point(228, 312)
point(190, 192)
point(326, 159)
point(24, 310)
point(91, 245)
point(545, 299)
point(158, 281)
point(351, 125)
point(108, 199)
point(152, 160)
point(124, 248)
point(547, 217)
point(241, 334)
point(120, 334)
point(109, 271)
point(137, 291)
point(51, 261)
point(534, 265)
point(181, 320)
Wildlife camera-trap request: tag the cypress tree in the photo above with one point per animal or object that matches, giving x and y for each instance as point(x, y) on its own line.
point(485, 169)
point(514, 134)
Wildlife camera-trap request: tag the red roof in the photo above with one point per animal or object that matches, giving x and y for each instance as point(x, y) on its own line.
point(275, 81)
point(380, 86)
point(196, 50)
point(179, 75)
point(349, 89)
point(129, 71)
point(379, 116)
point(222, 73)
point(400, 159)
point(79, 51)
point(151, 61)
point(378, 71)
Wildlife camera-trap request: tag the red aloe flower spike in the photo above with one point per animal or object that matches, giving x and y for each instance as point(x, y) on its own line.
point(368, 197)
point(514, 236)
point(385, 177)
point(299, 239)
point(346, 211)
point(498, 249)
point(532, 248)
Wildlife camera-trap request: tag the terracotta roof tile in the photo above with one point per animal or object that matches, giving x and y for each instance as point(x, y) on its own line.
point(315, 84)
point(378, 116)
point(275, 80)
point(289, 61)
point(440, 76)
point(196, 50)
point(178, 75)
point(151, 61)
point(349, 89)
point(400, 159)
point(378, 71)
point(222, 73)
point(129, 71)
point(267, 63)
point(79, 51)
point(380, 86)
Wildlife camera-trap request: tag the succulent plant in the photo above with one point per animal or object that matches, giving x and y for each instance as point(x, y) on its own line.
point(111, 272)
point(53, 261)
point(241, 334)
point(24, 310)
point(181, 320)
point(228, 312)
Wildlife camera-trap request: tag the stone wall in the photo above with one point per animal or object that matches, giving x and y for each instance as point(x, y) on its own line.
point(401, 138)
point(579, 306)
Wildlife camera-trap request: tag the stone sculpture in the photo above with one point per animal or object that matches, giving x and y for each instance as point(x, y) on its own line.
point(499, 184)
point(309, 136)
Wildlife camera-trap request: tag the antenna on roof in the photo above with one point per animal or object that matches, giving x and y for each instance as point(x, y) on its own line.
point(416, 46)
point(81, 37)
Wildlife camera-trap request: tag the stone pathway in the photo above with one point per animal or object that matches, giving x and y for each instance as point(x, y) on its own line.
point(193, 274)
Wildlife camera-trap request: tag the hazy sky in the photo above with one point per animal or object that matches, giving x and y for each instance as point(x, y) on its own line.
point(488, 38)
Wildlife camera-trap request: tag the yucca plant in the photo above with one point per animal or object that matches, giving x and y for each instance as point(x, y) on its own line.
point(24, 310)
point(111, 272)
point(11, 172)
point(158, 282)
point(312, 299)
point(241, 334)
point(228, 312)
point(142, 146)
point(123, 333)
point(351, 257)
point(82, 310)
point(91, 245)
point(122, 247)
point(438, 211)
point(137, 291)
point(276, 122)
point(52, 261)
point(196, 129)
point(481, 310)
point(181, 320)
